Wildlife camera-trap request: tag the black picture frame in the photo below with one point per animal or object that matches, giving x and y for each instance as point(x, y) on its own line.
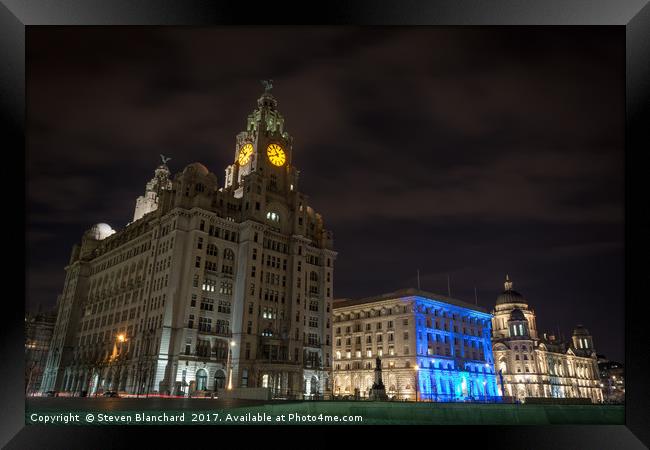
point(634, 15)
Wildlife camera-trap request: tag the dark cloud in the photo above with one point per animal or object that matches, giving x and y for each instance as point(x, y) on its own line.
point(464, 151)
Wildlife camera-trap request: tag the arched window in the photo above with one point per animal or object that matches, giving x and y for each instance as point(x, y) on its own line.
point(201, 380)
point(219, 379)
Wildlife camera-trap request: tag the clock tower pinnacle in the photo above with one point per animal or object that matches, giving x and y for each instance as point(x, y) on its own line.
point(264, 147)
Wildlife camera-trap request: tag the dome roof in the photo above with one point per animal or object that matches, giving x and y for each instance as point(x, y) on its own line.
point(510, 295)
point(197, 167)
point(100, 231)
point(517, 314)
point(581, 331)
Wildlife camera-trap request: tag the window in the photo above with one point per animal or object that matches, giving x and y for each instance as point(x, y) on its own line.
point(201, 380)
point(205, 324)
point(209, 285)
point(207, 304)
point(225, 287)
point(273, 216)
point(222, 327)
point(224, 307)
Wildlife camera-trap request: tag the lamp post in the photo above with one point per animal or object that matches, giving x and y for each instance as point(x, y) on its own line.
point(417, 381)
point(119, 339)
point(228, 368)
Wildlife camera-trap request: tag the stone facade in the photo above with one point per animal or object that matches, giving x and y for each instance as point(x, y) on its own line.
point(534, 365)
point(208, 287)
point(432, 348)
point(38, 335)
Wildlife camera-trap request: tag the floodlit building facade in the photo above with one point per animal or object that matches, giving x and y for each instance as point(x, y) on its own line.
point(210, 287)
point(432, 347)
point(531, 365)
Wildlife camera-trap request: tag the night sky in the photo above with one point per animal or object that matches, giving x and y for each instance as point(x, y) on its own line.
point(468, 152)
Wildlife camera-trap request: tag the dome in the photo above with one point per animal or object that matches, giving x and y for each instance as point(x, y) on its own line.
point(100, 231)
point(517, 314)
point(510, 295)
point(580, 331)
point(197, 167)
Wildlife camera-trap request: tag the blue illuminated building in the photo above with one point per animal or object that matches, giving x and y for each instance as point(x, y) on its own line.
point(454, 350)
point(432, 347)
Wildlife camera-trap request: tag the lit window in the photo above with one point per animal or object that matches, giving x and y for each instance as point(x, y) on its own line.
point(275, 217)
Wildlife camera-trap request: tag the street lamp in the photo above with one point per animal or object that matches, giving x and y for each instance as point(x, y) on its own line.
point(120, 338)
point(228, 368)
point(416, 368)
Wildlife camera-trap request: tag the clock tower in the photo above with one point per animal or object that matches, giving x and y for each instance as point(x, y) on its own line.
point(264, 148)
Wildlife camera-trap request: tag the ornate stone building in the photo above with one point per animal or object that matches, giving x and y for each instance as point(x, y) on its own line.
point(208, 287)
point(432, 348)
point(534, 365)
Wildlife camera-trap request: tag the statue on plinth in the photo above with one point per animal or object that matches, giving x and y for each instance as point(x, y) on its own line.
point(378, 391)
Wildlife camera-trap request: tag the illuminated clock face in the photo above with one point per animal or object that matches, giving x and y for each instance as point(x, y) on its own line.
point(276, 154)
point(245, 154)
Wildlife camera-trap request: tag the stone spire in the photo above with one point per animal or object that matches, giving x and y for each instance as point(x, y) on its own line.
point(149, 201)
